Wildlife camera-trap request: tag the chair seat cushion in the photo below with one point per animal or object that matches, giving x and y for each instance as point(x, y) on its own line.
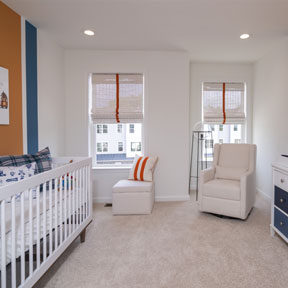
point(223, 189)
point(123, 186)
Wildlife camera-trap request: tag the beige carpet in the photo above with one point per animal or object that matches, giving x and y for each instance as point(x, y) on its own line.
point(175, 247)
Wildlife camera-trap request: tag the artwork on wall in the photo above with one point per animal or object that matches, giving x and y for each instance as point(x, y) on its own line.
point(4, 96)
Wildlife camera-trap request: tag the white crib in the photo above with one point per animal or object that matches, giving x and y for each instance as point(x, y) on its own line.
point(40, 217)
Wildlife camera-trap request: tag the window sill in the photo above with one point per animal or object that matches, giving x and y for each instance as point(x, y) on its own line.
point(110, 168)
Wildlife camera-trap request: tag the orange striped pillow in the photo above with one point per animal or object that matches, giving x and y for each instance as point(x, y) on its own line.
point(142, 168)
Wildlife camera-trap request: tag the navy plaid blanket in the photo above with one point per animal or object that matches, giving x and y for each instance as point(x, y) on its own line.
point(42, 158)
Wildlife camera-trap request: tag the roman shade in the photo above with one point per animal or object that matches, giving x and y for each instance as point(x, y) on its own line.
point(224, 103)
point(117, 98)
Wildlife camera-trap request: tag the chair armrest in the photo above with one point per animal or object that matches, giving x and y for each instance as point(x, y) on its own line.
point(247, 179)
point(207, 175)
point(248, 191)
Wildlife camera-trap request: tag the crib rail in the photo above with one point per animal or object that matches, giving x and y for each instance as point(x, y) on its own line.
point(40, 217)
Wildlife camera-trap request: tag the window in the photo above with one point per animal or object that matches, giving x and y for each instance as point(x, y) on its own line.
point(105, 128)
point(99, 129)
point(99, 147)
point(227, 133)
point(105, 147)
point(102, 128)
point(120, 146)
point(102, 147)
point(117, 116)
point(135, 146)
point(119, 128)
point(131, 128)
point(224, 113)
point(209, 144)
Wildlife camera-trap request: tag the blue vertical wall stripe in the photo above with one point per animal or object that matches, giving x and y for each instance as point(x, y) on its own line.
point(31, 87)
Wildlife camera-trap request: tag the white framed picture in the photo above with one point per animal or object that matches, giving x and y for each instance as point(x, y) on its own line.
point(4, 96)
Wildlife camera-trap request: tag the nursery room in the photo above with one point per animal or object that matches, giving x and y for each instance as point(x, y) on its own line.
point(144, 143)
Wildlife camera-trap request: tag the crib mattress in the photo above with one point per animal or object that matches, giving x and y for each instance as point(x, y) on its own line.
point(34, 220)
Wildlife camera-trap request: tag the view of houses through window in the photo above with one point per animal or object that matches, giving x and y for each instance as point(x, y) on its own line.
point(222, 134)
point(117, 143)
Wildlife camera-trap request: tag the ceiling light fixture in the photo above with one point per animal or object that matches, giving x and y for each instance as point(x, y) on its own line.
point(89, 32)
point(244, 36)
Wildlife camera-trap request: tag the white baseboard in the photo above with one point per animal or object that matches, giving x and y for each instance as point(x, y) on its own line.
point(172, 198)
point(157, 199)
point(102, 200)
point(258, 190)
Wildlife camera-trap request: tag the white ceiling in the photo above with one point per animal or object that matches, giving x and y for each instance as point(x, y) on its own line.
point(208, 30)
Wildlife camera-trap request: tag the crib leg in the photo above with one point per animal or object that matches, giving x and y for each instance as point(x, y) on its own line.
point(82, 236)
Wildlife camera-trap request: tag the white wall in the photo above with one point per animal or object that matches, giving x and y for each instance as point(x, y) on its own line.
point(166, 124)
point(270, 116)
point(51, 98)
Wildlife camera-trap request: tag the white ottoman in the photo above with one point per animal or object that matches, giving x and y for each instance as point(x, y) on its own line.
point(132, 197)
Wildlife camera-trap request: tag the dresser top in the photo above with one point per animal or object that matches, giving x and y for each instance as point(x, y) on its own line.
point(281, 163)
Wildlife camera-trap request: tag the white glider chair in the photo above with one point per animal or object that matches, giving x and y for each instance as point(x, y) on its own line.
point(228, 188)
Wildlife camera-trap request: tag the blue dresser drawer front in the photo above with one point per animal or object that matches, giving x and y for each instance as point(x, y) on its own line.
point(281, 199)
point(281, 222)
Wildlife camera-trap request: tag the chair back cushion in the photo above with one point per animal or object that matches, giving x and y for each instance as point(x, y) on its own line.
point(229, 173)
point(142, 168)
point(234, 156)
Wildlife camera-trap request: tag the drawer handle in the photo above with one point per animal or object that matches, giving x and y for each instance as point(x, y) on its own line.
point(281, 223)
point(282, 180)
point(282, 200)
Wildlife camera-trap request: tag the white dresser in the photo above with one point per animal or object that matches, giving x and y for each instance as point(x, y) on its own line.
point(279, 209)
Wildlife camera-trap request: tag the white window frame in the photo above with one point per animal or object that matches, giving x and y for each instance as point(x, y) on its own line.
point(244, 129)
point(93, 127)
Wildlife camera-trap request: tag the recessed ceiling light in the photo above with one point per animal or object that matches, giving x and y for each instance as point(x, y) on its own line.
point(244, 36)
point(89, 32)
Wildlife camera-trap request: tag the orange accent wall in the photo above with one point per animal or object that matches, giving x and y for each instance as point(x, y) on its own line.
point(11, 136)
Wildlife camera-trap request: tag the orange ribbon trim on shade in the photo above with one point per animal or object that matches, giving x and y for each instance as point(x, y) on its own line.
point(136, 168)
point(142, 169)
point(117, 98)
point(224, 110)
